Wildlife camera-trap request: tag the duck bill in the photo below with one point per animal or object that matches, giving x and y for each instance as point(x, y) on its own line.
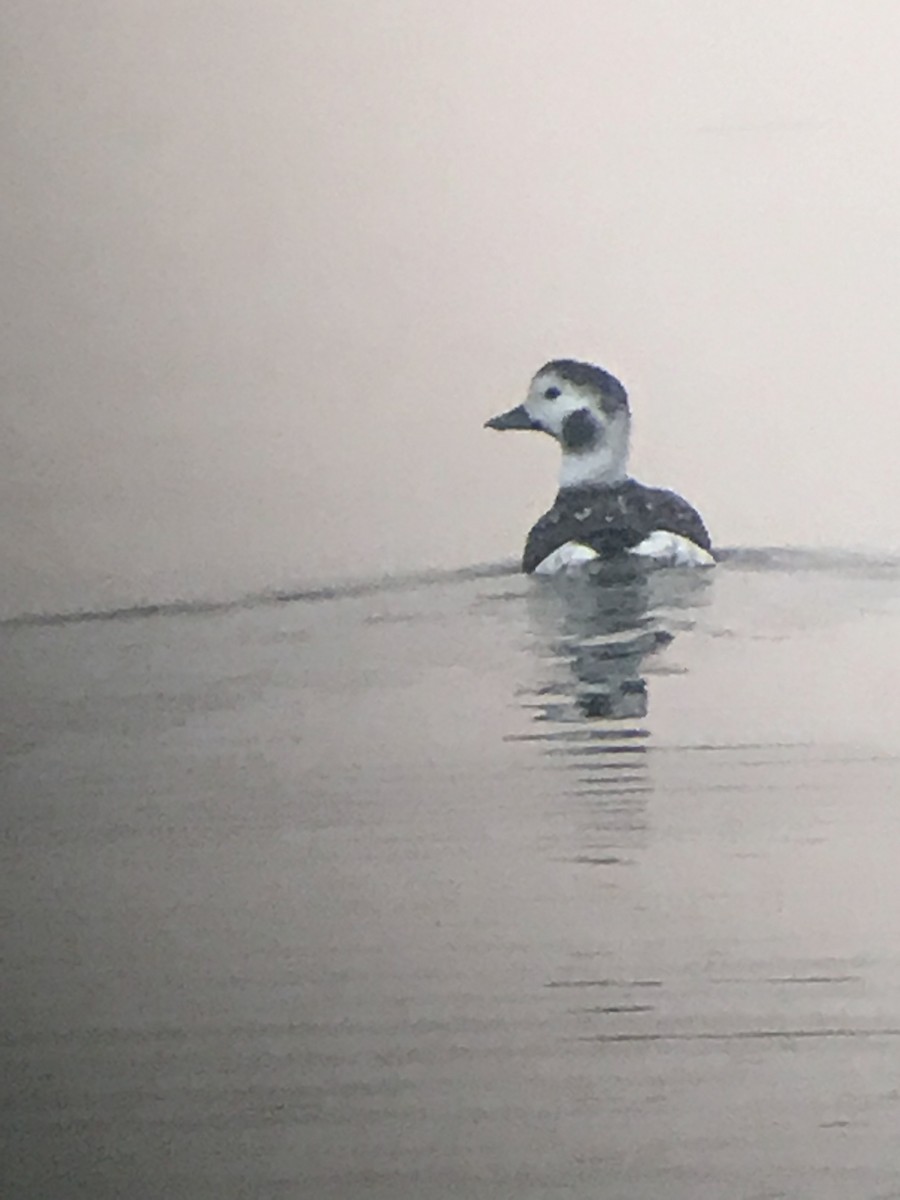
point(516, 418)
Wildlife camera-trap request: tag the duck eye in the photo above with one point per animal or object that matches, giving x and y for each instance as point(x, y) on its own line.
point(551, 393)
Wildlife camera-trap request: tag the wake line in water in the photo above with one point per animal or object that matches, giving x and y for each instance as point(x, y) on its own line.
point(764, 558)
point(309, 595)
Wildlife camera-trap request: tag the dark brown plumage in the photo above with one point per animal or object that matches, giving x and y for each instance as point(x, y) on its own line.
point(611, 520)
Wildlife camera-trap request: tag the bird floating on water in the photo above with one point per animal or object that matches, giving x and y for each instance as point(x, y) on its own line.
point(600, 512)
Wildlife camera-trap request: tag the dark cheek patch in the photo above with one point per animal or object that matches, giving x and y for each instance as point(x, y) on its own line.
point(579, 430)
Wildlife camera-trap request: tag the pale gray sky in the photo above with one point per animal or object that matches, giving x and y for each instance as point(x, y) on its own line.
point(268, 267)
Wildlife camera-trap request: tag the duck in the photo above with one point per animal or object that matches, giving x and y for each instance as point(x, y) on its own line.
point(600, 512)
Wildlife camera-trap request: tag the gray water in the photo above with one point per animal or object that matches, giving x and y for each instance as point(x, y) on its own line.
point(473, 886)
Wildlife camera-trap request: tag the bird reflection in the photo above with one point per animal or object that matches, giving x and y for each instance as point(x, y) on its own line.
point(594, 634)
point(593, 637)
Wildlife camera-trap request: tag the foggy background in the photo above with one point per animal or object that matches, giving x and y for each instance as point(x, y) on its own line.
point(267, 268)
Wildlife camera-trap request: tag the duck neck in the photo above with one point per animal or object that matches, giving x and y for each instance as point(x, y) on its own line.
point(600, 466)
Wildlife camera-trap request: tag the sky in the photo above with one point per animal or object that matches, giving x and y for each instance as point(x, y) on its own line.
point(268, 267)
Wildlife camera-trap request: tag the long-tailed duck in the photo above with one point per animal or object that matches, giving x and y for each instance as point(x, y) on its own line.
point(599, 511)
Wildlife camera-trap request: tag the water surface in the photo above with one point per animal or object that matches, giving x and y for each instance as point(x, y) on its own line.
point(470, 886)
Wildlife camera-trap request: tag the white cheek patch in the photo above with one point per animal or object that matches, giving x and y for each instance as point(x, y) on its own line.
point(552, 413)
point(672, 550)
point(569, 556)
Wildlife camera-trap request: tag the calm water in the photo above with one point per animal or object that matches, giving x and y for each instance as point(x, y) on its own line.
point(479, 887)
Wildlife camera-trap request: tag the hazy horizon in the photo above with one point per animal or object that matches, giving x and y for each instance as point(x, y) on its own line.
point(269, 269)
